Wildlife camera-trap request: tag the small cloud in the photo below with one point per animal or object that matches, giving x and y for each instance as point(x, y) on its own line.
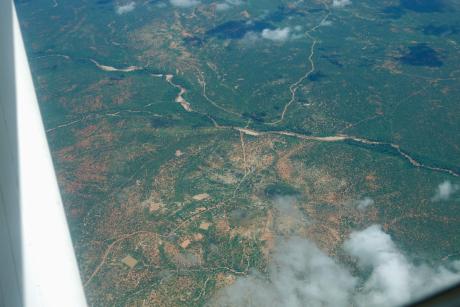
point(340, 3)
point(222, 6)
point(277, 35)
point(445, 190)
point(234, 2)
point(126, 8)
point(227, 4)
point(298, 28)
point(290, 220)
point(184, 3)
point(326, 23)
point(362, 204)
point(250, 38)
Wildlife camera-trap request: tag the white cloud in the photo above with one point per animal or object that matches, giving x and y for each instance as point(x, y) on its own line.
point(278, 35)
point(126, 8)
point(227, 4)
point(184, 3)
point(289, 219)
point(445, 190)
point(300, 274)
point(250, 38)
point(340, 3)
point(234, 2)
point(362, 204)
point(326, 23)
point(298, 28)
point(394, 279)
point(390, 278)
point(222, 6)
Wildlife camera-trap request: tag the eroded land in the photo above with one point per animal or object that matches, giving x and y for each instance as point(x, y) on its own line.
point(188, 140)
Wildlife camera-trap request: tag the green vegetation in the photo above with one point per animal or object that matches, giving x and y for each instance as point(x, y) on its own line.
point(186, 190)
